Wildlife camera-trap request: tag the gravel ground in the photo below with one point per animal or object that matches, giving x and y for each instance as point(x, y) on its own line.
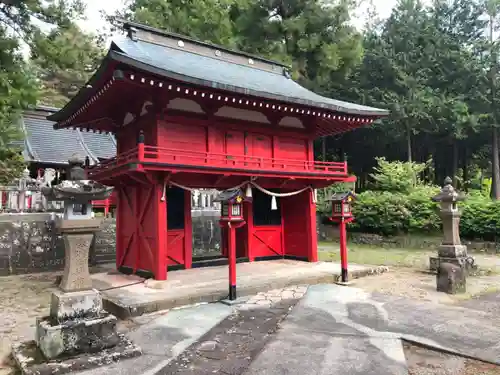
point(415, 284)
point(24, 298)
point(422, 361)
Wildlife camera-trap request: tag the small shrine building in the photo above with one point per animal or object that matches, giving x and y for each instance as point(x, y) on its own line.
point(46, 149)
point(188, 114)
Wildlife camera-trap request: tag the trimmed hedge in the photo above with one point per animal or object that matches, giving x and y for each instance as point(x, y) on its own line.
point(386, 213)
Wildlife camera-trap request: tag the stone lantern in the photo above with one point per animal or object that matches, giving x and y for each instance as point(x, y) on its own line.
point(452, 262)
point(78, 334)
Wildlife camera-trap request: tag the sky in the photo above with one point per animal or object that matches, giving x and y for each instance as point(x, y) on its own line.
point(94, 22)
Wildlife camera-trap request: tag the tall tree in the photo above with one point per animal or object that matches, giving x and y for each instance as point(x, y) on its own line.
point(314, 36)
point(65, 59)
point(17, 91)
point(493, 10)
point(207, 20)
point(24, 18)
point(22, 23)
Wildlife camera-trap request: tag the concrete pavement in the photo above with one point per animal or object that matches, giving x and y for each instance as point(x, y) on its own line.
point(332, 330)
point(339, 330)
point(163, 337)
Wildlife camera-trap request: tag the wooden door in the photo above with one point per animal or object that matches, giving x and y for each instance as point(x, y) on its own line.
point(235, 147)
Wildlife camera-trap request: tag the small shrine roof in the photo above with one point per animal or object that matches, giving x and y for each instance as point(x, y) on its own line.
point(44, 144)
point(342, 196)
point(231, 196)
point(183, 59)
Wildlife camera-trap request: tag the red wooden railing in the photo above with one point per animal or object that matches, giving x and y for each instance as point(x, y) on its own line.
point(179, 157)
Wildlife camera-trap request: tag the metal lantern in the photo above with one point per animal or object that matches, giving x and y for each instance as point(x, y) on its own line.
point(232, 204)
point(342, 206)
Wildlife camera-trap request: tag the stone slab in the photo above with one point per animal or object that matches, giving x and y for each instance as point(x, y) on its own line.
point(237, 301)
point(300, 352)
point(352, 311)
point(162, 337)
point(30, 361)
point(76, 336)
point(230, 347)
point(75, 305)
point(452, 251)
point(210, 284)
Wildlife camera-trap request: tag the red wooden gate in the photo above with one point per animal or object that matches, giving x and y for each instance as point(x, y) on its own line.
point(136, 237)
point(267, 241)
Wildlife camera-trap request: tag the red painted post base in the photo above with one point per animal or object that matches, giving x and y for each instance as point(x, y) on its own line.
point(343, 251)
point(231, 250)
point(232, 292)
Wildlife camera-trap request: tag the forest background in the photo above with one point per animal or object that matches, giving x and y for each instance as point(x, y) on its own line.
point(434, 66)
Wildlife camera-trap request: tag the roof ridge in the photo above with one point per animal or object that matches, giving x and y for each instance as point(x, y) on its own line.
point(130, 27)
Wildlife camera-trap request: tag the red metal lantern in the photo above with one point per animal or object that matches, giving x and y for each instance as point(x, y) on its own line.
point(342, 207)
point(231, 205)
point(342, 214)
point(231, 218)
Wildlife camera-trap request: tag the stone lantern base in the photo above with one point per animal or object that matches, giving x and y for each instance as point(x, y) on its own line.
point(78, 334)
point(452, 254)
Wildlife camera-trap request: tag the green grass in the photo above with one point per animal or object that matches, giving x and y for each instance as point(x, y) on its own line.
point(377, 256)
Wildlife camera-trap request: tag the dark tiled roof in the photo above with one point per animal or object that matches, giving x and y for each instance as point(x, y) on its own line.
point(225, 75)
point(177, 57)
point(46, 145)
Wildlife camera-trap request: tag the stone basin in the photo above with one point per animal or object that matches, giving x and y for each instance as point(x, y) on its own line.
point(76, 336)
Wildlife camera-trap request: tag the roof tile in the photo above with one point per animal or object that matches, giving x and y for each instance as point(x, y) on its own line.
point(45, 144)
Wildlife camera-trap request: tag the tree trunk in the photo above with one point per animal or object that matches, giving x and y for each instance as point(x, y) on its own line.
point(465, 167)
point(495, 163)
point(454, 163)
point(436, 170)
point(495, 173)
point(408, 143)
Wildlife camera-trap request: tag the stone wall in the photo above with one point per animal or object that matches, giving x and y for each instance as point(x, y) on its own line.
point(28, 243)
point(329, 233)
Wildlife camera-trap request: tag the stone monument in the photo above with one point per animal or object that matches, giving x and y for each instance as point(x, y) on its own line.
point(452, 263)
point(78, 334)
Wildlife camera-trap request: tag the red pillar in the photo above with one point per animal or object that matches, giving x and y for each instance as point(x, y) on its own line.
point(311, 229)
point(249, 231)
point(160, 212)
point(119, 239)
point(232, 261)
point(343, 251)
point(188, 231)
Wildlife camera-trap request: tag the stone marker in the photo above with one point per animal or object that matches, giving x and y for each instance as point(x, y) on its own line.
point(451, 253)
point(78, 334)
point(451, 278)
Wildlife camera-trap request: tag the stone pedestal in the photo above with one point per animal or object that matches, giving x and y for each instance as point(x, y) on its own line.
point(452, 263)
point(77, 324)
point(451, 278)
point(77, 235)
point(78, 334)
point(454, 254)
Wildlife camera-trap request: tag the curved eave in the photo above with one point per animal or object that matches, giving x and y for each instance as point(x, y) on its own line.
point(113, 58)
point(124, 59)
point(89, 89)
